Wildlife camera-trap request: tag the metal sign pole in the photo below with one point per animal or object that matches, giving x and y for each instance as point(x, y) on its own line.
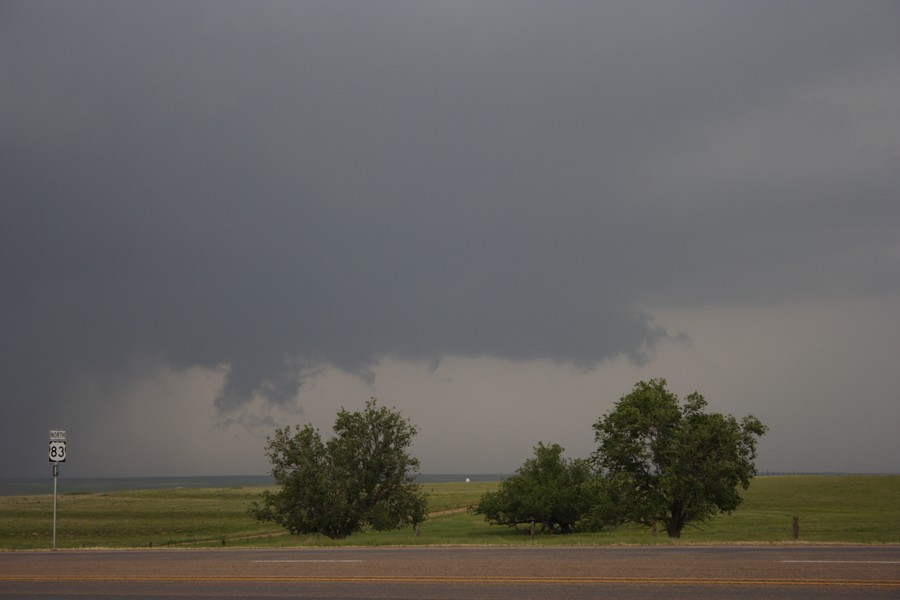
point(57, 455)
point(55, 474)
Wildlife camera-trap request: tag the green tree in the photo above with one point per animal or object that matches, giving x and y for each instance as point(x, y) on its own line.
point(363, 476)
point(670, 463)
point(547, 489)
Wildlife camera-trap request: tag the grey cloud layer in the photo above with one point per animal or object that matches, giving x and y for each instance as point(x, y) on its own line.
point(272, 187)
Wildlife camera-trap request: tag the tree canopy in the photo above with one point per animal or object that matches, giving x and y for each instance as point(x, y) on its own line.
point(547, 489)
point(363, 476)
point(671, 463)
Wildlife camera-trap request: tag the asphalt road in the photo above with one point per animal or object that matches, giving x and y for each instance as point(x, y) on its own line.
point(800, 571)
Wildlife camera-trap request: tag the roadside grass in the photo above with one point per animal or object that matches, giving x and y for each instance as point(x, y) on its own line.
point(831, 509)
point(146, 518)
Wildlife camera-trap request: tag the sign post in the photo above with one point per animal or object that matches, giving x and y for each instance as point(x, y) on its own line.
point(57, 455)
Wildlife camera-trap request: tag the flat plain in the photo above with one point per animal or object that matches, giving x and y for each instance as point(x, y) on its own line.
point(854, 509)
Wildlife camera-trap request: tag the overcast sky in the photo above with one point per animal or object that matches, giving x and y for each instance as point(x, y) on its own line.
point(218, 218)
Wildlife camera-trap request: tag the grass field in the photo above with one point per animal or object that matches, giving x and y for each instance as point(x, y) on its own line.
point(831, 509)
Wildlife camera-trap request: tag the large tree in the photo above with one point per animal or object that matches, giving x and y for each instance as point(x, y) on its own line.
point(547, 489)
point(362, 476)
point(672, 463)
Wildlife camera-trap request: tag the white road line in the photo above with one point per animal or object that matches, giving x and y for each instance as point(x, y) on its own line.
point(853, 562)
point(301, 560)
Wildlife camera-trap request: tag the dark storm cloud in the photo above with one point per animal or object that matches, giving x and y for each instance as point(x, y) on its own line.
point(273, 187)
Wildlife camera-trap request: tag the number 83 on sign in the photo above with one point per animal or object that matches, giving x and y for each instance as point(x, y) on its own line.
point(57, 451)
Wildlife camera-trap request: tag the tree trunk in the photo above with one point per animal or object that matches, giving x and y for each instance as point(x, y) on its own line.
point(676, 521)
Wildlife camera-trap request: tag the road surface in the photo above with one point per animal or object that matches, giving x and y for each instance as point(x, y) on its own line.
point(795, 571)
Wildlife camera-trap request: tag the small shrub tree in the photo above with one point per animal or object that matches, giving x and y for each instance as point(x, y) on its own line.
point(547, 489)
point(364, 475)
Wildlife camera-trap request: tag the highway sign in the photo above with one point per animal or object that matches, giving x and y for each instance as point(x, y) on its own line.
point(57, 435)
point(57, 451)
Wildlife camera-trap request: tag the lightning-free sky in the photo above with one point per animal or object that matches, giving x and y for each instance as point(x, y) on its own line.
point(222, 217)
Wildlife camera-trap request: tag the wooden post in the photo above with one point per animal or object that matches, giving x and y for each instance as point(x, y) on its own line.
point(653, 528)
point(796, 528)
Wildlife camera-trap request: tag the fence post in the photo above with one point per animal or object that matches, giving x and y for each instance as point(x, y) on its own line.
point(796, 528)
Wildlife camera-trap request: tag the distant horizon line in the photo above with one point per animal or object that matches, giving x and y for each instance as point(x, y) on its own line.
point(767, 473)
point(38, 486)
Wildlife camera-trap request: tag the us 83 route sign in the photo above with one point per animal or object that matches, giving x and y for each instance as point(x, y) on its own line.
point(57, 451)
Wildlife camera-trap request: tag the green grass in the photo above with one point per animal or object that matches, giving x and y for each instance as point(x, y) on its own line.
point(448, 496)
point(831, 509)
point(860, 509)
point(129, 519)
